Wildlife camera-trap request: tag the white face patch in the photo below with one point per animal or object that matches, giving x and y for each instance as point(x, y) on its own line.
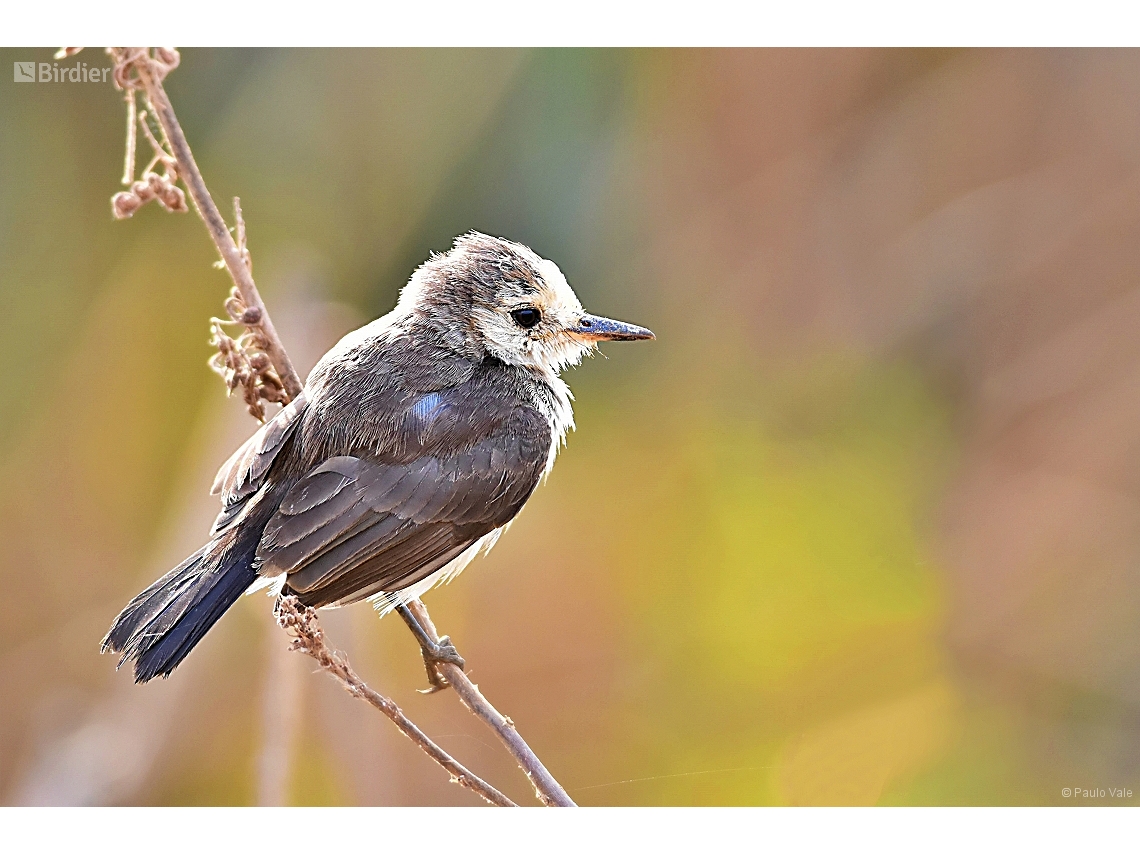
point(547, 347)
point(561, 296)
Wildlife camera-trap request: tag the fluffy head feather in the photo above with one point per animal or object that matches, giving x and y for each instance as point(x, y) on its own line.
point(476, 288)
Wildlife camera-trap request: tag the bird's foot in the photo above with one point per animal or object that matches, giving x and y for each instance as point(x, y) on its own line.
point(436, 654)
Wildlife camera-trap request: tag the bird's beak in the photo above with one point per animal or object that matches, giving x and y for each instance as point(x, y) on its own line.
point(593, 328)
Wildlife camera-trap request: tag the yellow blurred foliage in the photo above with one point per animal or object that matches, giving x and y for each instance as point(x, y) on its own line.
point(852, 759)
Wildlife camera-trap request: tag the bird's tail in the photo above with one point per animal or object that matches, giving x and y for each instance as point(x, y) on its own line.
point(160, 626)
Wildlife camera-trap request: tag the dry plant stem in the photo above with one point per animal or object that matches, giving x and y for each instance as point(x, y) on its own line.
point(208, 211)
point(302, 623)
point(129, 164)
point(548, 790)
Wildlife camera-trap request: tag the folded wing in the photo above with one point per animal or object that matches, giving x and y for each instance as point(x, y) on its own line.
point(353, 527)
point(244, 473)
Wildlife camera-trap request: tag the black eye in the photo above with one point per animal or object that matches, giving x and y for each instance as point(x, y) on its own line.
point(526, 318)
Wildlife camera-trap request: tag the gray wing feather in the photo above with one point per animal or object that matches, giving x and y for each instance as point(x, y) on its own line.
point(242, 475)
point(425, 554)
point(352, 527)
point(328, 566)
point(321, 508)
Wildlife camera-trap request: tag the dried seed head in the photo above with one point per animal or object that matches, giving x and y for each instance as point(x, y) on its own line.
point(235, 308)
point(123, 205)
point(173, 199)
point(169, 57)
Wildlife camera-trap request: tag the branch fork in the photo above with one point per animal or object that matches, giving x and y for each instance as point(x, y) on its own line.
point(301, 623)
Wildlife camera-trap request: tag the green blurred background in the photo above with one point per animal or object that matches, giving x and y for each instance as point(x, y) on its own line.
point(860, 527)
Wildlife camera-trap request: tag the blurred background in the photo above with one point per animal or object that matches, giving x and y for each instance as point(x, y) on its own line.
point(861, 527)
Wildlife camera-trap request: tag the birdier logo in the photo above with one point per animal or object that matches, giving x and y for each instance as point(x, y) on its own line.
point(53, 72)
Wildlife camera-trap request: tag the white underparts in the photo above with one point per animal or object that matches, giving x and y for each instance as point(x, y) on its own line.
point(273, 583)
point(385, 601)
point(561, 417)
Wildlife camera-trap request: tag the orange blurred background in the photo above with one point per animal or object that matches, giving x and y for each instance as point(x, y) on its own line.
point(861, 526)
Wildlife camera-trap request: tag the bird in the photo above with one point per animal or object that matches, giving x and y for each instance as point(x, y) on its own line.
point(414, 443)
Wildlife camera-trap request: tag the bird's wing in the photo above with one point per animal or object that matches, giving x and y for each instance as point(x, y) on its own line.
point(353, 527)
point(244, 473)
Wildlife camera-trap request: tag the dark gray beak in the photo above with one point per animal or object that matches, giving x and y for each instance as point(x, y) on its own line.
point(593, 328)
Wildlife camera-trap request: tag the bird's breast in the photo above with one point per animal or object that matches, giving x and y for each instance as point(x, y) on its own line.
point(555, 403)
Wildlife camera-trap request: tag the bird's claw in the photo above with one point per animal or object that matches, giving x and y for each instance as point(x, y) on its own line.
point(439, 653)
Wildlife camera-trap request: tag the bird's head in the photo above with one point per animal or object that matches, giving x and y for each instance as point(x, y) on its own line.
point(492, 295)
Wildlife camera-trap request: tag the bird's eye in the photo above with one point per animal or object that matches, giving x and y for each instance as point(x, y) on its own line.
point(526, 318)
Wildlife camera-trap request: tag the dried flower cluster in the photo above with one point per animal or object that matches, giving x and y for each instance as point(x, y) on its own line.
point(243, 362)
point(162, 61)
point(151, 184)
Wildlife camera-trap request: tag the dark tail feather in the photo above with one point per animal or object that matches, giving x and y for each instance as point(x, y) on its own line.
point(160, 626)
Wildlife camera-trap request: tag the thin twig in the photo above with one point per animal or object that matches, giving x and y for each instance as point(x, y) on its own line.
point(160, 152)
point(239, 227)
point(301, 622)
point(129, 160)
point(208, 211)
point(548, 790)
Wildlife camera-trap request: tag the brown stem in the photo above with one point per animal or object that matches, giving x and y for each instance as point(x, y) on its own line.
point(208, 211)
point(129, 160)
point(301, 622)
point(548, 790)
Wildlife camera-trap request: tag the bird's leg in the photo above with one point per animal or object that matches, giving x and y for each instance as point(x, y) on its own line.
point(434, 652)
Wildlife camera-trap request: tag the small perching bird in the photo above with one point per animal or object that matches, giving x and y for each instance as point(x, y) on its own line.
point(415, 442)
